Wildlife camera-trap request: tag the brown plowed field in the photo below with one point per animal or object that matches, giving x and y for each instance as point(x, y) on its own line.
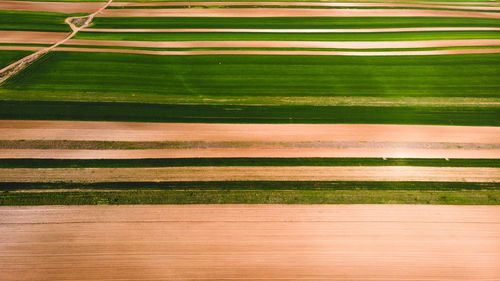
point(292, 12)
point(250, 152)
point(57, 7)
point(31, 37)
point(252, 173)
point(250, 242)
point(135, 131)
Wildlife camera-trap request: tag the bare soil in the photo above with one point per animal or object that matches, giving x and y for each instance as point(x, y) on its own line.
point(257, 242)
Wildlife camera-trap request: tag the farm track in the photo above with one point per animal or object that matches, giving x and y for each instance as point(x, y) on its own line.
point(14, 68)
point(258, 242)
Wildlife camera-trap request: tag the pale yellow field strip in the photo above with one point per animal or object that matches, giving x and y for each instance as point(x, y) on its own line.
point(291, 53)
point(251, 153)
point(288, 44)
point(57, 7)
point(250, 242)
point(261, 30)
point(292, 12)
point(138, 131)
point(252, 173)
point(317, 4)
point(31, 37)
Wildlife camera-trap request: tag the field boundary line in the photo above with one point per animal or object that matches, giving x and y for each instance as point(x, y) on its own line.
point(14, 68)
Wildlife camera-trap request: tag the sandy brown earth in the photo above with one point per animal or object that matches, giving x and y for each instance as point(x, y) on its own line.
point(274, 30)
point(231, 173)
point(386, 152)
point(136, 131)
point(292, 12)
point(293, 53)
point(31, 37)
point(317, 4)
point(58, 7)
point(289, 44)
point(250, 242)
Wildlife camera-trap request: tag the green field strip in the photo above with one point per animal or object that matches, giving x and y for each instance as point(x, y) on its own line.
point(291, 22)
point(476, 75)
point(34, 21)
point(284, 49)
point(466, 197)
point(87, 111)
point(253, 185)
point(296, 7)
point(204, 162)
point(7, 57)
point(131, 145)
point(261, 36)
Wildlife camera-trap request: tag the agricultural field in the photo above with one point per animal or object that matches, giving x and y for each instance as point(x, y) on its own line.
point(250, 140)
point(249, 102)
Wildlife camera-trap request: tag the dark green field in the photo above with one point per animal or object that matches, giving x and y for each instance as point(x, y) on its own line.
point(112, 75)
point(34, 21)
point(292, 23)
point(8, 57)
point(183, 162)
point(454, 115)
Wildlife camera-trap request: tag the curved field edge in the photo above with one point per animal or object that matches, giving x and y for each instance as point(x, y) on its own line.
point(475, 75)
point(87, 111)
point(458, 197)
point(183, 162)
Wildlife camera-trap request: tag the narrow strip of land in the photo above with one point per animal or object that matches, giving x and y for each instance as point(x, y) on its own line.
point(249, 153)
point(138, 131)
point(252, 173)
point(276, 30)
point(292, 12)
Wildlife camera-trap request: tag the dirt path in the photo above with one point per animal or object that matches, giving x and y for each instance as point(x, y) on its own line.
point(261, 30)
point(56, 7)
point(12, 69)
point(250, 242)
point(250, 153)
point(136, 131)
point(292, 12)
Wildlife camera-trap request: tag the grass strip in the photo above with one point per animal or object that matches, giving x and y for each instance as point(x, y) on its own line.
point(292, 22)
point(262, 36)
point(87, 111)
point(253, 197)
point(103, 145)
point(182, 162)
